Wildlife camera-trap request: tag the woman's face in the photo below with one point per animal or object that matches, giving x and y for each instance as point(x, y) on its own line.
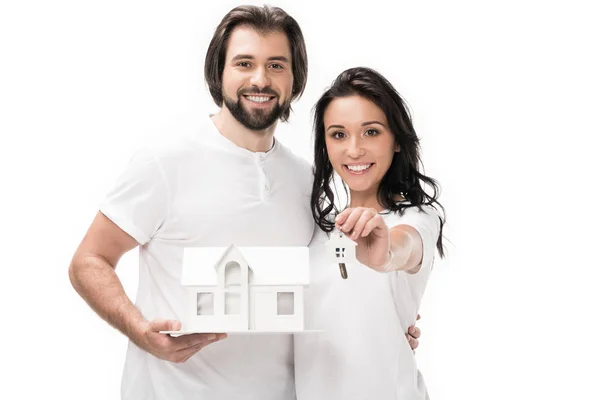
point(359, 142)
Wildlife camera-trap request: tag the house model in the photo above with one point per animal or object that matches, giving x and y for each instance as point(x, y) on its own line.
point(252, 289)
point(340, 248)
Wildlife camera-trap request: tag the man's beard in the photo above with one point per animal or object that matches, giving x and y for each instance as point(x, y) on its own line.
point(257, 119)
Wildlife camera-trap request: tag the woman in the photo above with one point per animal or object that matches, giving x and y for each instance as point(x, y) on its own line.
point(364, 133)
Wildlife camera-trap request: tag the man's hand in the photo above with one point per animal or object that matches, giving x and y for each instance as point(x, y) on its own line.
point(175, 349)
point(413, 335)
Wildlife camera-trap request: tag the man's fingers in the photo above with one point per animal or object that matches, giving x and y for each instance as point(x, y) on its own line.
point(418, 317)
point(414, 332)
point(164, 325)
point(412, 342)
point(187, 341)
point(186, 353)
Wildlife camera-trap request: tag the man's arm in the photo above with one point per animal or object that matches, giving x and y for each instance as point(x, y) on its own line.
point(92, 273)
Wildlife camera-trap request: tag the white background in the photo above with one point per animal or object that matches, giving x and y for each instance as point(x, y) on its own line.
point(504, 96)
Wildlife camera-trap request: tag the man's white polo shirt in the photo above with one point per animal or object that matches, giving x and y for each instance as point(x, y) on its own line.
point(200, 189)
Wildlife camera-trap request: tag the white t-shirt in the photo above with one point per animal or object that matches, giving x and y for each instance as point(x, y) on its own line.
point(363, 353)
point(202, 190)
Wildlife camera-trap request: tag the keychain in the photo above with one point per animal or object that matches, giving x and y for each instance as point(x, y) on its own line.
point(341, 250)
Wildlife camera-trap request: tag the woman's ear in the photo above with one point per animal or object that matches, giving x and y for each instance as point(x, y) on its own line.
point(397, 149)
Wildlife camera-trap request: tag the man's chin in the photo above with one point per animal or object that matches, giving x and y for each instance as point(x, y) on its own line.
point(254, 118)
point(260, 120)
point(257, 110)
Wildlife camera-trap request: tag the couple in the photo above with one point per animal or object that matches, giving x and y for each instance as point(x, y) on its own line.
point(232, 182)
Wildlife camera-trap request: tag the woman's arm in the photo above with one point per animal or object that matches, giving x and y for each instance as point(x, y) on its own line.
point(406, 249)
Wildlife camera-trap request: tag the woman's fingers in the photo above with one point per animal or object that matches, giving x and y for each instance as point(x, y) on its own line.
point(350, 221)
point(354, 220)
point(367, 215)
point(372, 224)
point(341, 217)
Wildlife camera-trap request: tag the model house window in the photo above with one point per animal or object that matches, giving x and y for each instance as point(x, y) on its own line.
point(233, 274)
point(205, 304)
point(232, 303)
point(339, 252)
point(285, 303)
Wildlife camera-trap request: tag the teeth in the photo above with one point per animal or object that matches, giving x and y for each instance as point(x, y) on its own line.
point(358, 168)
point(259, 99)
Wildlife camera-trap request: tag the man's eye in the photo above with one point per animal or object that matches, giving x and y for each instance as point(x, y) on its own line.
point(244, 64)
point(277, 66)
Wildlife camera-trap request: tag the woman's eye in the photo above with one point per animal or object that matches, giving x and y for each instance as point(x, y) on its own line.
point(338, 135)
point(277, 66)
point(244, 64)
point(371, 132)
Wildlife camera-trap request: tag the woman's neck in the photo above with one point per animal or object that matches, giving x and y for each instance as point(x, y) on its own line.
point(365, 199)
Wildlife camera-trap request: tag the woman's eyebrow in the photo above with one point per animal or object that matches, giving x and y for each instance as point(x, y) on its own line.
point(373, 122)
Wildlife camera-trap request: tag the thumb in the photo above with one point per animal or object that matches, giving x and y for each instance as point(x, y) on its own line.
point(165, 325)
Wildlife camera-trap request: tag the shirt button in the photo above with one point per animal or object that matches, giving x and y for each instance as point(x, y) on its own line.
point(262, 158)
point(267, 187)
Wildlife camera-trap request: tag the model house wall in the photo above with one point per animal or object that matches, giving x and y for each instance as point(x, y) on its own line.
point(340, 248)
point(245, 289)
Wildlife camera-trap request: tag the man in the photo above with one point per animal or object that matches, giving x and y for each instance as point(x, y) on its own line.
point(230, 183)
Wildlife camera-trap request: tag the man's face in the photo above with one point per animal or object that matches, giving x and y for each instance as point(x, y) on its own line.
point(257, 77)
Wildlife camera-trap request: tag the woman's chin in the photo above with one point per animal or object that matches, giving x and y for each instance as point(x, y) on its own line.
point(359, 187)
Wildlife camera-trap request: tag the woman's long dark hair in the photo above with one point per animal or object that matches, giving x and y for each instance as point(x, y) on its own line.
point(401, 179)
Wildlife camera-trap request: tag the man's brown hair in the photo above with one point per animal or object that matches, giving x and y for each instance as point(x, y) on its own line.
point(264, 20)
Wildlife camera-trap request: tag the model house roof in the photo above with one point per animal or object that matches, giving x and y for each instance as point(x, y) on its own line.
point(268, 265)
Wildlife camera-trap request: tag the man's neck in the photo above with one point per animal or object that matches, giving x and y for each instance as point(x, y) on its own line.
point(230, 128)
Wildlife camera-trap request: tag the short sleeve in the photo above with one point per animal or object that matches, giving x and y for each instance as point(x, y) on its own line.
point(427, 223)
point(139, 201)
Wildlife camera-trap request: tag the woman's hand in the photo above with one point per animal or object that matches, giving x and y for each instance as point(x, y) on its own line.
point(366, 227)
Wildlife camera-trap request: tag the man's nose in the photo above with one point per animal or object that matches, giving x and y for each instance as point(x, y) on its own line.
point(260, 78)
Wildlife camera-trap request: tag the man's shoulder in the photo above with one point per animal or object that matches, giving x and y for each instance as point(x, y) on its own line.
point(175, 143)
point(288, 156)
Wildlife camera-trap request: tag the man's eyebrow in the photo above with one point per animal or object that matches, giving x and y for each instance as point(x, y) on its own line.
point(250, 57)
point(372, 122)
point(278, 58)
point(242, 57)
point(336, 126)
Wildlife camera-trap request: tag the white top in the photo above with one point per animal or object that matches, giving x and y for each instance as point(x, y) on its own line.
point(200, 189)
point(269, 266)
point(363, 354)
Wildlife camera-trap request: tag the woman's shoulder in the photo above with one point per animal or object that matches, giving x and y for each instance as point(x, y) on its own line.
point(408, 214)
